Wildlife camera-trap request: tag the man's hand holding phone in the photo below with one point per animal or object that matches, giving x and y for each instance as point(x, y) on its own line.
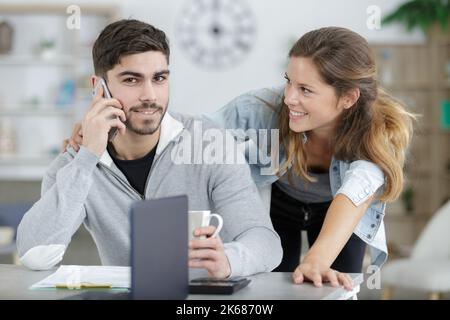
point(104, 115)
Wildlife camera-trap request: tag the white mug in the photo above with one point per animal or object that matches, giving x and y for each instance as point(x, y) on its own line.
point(202, 218)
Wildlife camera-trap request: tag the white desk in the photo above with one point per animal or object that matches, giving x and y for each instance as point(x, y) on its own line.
point(15, 282)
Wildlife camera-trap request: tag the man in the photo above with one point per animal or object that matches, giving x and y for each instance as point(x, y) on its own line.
point(97, 184)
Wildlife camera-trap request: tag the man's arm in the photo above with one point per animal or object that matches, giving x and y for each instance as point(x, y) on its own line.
point(47, 228)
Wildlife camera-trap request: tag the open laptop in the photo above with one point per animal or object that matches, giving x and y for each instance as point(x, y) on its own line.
point(159, 252)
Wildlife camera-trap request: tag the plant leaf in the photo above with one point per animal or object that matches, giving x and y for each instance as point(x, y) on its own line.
point(421, 13)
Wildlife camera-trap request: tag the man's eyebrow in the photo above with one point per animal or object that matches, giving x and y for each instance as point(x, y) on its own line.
point(161, 73)
point(141, 75)
point(130, 73)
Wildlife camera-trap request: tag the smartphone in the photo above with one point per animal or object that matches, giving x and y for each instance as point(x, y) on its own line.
point(106, 94)
point(217, 286)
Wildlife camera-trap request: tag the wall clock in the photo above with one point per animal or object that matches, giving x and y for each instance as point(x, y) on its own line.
point(216, 34)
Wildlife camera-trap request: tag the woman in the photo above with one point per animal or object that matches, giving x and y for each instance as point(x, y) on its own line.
point(342, 150)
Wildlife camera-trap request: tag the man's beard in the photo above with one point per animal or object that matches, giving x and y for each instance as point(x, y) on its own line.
point(149, 126)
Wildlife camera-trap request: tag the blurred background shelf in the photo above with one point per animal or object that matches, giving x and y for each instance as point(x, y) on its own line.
point(30, 172)
point(416, 74)
point(16, 168)
point(32, 60)
point(45, 87)
point(22, 112)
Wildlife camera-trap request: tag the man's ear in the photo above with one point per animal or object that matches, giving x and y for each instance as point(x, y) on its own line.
point(350, 98)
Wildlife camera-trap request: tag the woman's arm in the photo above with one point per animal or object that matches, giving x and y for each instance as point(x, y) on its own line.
point(256, 109)
point(341, 219)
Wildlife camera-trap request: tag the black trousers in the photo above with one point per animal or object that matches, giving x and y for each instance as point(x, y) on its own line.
point(290, 216)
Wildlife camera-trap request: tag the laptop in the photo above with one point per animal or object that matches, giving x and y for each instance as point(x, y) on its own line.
point(159, 252)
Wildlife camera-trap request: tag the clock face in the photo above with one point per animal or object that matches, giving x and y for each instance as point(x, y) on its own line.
point(216, 33)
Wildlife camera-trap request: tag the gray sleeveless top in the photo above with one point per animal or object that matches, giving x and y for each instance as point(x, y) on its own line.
point(312, 192)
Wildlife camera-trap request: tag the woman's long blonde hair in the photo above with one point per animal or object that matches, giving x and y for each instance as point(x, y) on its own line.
point(377, 128)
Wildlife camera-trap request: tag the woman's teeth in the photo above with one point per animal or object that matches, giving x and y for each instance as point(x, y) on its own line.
point(298, 114)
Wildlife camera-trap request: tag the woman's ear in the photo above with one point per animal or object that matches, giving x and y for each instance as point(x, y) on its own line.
point(350, 98)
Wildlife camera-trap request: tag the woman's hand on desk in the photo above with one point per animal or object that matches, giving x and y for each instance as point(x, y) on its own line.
point(317, 273)
point(209, 254)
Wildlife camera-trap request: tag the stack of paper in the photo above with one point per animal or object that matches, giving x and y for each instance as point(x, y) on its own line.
point(80, 277)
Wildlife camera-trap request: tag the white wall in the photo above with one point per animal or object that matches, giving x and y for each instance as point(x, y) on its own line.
point(279, 22)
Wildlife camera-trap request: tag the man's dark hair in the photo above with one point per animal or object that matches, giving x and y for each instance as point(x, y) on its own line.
point(124, 37)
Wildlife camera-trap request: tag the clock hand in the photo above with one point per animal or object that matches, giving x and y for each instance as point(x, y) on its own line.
point(215, 29)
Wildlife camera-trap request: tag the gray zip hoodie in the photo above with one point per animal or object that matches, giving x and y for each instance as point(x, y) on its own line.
point(83, 188)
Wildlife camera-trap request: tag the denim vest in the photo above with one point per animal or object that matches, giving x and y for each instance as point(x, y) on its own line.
point(358, 180)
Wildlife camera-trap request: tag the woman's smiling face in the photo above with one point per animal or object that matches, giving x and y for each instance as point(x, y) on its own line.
point(313, 104)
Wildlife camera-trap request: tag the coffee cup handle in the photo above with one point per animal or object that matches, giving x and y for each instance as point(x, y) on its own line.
point(219, 223)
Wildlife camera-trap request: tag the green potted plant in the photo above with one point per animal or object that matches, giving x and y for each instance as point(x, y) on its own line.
point(407, 197)
point(47, 49)
point(422, 14)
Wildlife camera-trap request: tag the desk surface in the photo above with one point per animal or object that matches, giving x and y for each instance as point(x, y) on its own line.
point(16, 280)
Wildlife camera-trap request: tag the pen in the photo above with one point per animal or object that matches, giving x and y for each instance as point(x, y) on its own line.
point(83, 285)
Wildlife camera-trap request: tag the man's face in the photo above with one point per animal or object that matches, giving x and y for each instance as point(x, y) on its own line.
point(141, 83)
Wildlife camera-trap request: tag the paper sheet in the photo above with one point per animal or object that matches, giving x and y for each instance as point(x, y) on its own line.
point(78, 277)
